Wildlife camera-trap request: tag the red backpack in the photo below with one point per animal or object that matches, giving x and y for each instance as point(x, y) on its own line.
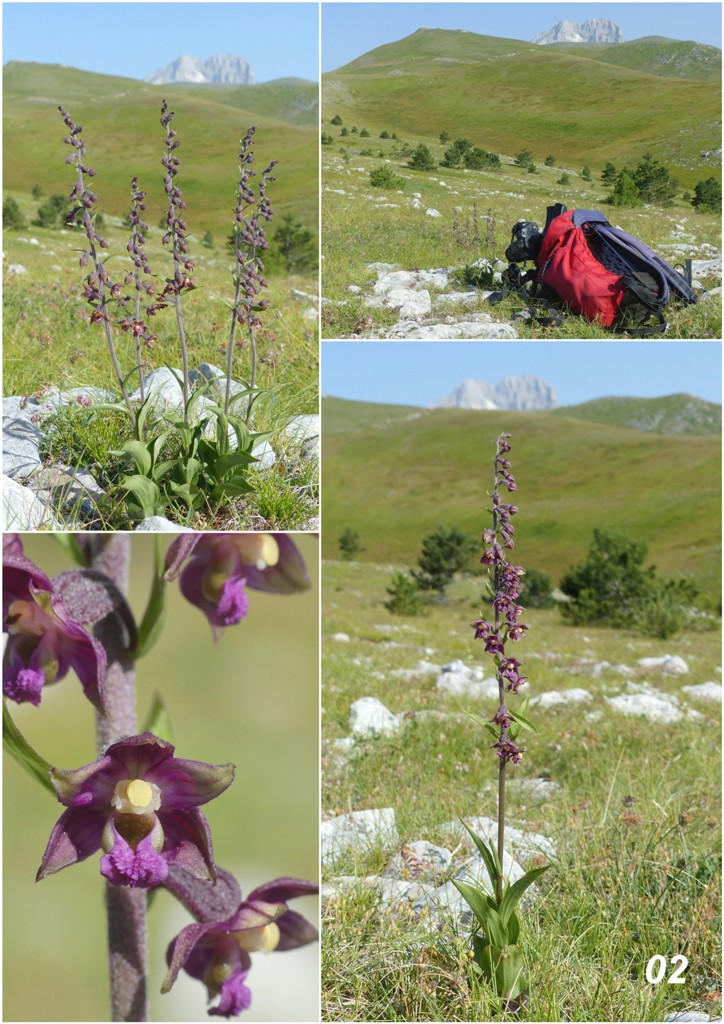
point(567, 265)
point(598, 271)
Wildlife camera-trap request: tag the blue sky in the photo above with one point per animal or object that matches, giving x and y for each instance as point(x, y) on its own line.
point(279, 40)
point(417, 373)
point(351, 29)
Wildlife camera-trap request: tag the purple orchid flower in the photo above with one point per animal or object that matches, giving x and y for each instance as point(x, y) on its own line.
point(215, 569)
point(44, 643)
point(139, 804)
point(217, 953)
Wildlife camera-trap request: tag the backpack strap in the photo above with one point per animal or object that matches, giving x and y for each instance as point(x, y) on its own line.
point(552, 212)
point(671, 279)
point(516, 283)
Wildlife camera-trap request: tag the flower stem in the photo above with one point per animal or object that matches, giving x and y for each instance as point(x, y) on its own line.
point(252, 382)
point(501, 693)
point(125, 908)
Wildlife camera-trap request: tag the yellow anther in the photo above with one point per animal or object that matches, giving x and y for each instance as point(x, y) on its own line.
point(139, 793)
point(259, 549)
point(136, 796)
point(263, 939)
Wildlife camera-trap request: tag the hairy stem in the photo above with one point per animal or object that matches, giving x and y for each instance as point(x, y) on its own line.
point(232, 337)
point(501, 694)
point(116, 365)
point(184, 351)
point(139, 361)
point(125, 907)
point(252, 382)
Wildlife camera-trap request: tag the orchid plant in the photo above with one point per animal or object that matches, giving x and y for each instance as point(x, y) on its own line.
point(203, 455)
point(497, 953)
point(138, 804)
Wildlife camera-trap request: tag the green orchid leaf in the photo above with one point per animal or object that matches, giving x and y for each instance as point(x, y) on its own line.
point(513, 926)
point(482, 959)
point(225, 463)
point(157, 720)
point(509, 972)
point(256, 439)
point(488, 962)
point(139, 454)
point(485, 914)
point(20, 750)
point(156, 445)
point(229, 489)
point(476, 718)
point(145, 491)
point(145, 410)
point(187, 493)
point(513, 893)
point(489, 855)
point(162, 469)
point(522, 721)
point(153, 617)
point(111, 407)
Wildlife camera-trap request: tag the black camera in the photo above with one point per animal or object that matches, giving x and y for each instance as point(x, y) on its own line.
point(525, 242)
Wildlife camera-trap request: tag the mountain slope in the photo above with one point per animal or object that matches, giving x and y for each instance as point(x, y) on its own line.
point(120, 118)
point(522, 392)
point(593, 30)
point(506, 95)
point(668, 58)
point(220, 69)
point(398, 480)
point(674, 415)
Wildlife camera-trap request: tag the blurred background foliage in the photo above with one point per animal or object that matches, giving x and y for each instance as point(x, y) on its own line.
point(252, 699)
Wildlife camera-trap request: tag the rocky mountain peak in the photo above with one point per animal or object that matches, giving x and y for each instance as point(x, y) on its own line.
point(593, 30)
point(219, 70)
point(525, 394)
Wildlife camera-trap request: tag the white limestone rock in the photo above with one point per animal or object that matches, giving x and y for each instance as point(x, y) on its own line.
point(419, 859)
point(462, 331)
point(368, 716)
point(23, 510)
point(661, 707)
point(554, 698)
point(537, 791)
point(704, 691)
point(159, 524)
point(358, 832)
point(670, 664)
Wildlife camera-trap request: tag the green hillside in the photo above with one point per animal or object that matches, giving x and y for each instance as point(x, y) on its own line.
point(123, 136)
point(506, 95)
point(397, 480)
point(656, 55)
point(287, 99)
point(343, 417)
point(672, 415)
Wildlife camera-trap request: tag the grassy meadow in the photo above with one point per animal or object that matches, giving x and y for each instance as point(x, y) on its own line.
point(636, 819)
point(394, 474)
point(380, 93)
point(48, 340)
